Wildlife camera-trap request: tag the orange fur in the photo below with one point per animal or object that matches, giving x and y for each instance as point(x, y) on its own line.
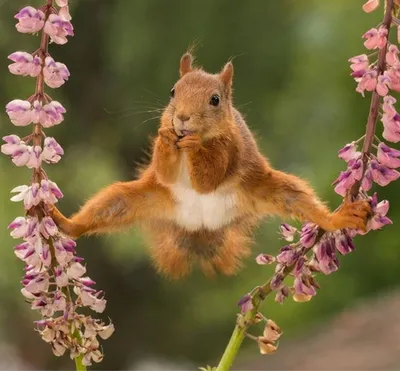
point(206, 187)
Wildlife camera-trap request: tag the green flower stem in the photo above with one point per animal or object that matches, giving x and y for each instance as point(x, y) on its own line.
point(242, 325)
point(79, 366)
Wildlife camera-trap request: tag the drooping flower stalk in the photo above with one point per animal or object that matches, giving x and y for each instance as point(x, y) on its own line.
point(312, 250)
point(54, 283)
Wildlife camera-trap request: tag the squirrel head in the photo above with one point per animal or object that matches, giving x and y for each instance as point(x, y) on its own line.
point(201, 103)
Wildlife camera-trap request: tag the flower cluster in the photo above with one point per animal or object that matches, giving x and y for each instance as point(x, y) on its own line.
point(55, 281)
point(311, 250)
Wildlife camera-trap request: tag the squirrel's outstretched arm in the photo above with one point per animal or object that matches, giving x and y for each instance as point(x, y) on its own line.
point(289, 196)
point(116, 206)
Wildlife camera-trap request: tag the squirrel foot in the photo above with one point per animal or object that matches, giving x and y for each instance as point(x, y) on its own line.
point(352, 215)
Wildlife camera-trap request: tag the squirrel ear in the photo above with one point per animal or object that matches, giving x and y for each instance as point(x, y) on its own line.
point(186, 64)
point(226, 75)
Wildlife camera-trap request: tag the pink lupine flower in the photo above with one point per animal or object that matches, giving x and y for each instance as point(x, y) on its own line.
point(392, 55)
point(288, 232)
point(264, 259)
point(344, 182)
point(349, 152)
point(282, 294)
point(367, 82)
point(61, 277)
point(38, 284)
point(55, 73)
point(48, 227)
point(302, 286)
point(359, 63)
point(245, 303)
point(49, 192)
point(308, 234)
point(22, 155)
point(62, 3)
point(383, 175)
point(28, 194)
point(48, 115)
point(370, 6)
point(19, 111)
point(393, 73)
point(379, 211)
point(12, 144)
point(58, 29)
point(344, 243)
point(326, 257)
point(35, 159)
point(25, 64)
point(52, 151)
point(30, 20)
point(382, 87)
point(54, 114)
point(64, 13)
point(388, 156)
point(19, 227)
point(76, 270)
point(288, 256)
point(366, 182)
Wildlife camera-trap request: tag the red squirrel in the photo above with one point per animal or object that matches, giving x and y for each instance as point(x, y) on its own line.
point(207, 185)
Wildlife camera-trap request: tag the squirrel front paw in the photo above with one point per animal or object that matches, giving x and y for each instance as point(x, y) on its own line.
point(168, 136)
point(352, 215)
point(190, 143)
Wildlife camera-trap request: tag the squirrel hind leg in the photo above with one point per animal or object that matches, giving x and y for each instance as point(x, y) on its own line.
point(228, 258)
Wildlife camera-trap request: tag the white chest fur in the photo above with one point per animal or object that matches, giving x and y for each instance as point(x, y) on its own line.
point(195, 211)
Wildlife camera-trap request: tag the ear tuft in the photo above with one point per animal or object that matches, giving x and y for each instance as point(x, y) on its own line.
point(186, 64)
point(226, 75)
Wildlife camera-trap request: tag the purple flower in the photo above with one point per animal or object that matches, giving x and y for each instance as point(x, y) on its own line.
point(12, 144)
point(28, 194)
point(287, 256)
point(382, 175)
point(58, 29)
point(344, 243)
point(245, 303)
point(288, 232)
point(282, 294)
point(302, 286)
point(390, 120)
point(308, 235)
point(55, 73)
point(388, 156)
point(35, 159)
point(366, 182)
point(24, 64)
point(48, 115)
point(52, 151)
point(349, 152)
point(264, 259)
point(49, 192)
point(19, 227)
point(48, 227)
point(326, 257)
point(30, 20)
point(20, 112)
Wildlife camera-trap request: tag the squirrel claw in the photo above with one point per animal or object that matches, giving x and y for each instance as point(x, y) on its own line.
point(190, 142)
point(352, 215)
point(168, 135)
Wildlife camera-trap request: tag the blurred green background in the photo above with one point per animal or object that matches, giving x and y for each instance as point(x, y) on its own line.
point(292, 84)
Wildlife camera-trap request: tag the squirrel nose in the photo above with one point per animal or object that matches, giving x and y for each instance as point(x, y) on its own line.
point(182, 117)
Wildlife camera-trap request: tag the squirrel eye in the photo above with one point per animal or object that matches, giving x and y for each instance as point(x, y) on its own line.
point(214, 101)
point(172, 92)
